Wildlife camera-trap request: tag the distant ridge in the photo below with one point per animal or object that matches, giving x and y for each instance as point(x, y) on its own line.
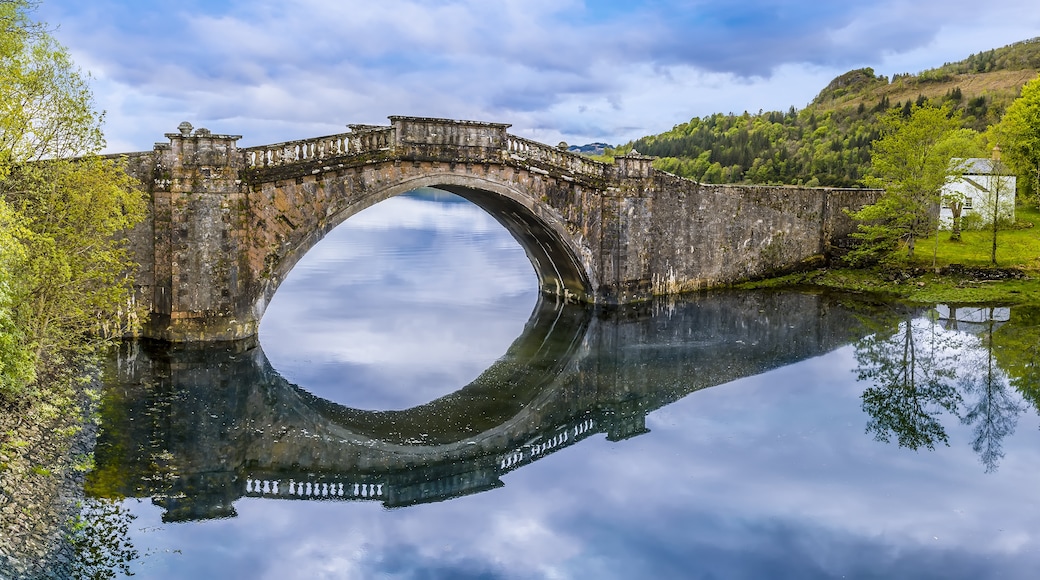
point(997, 74)
point(589, 149)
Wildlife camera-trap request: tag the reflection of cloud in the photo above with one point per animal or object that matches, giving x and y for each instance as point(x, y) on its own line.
point(769, 476)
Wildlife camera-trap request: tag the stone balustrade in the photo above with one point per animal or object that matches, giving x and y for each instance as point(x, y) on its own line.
point(520, 148)
point(364, 139)
point(359, 141)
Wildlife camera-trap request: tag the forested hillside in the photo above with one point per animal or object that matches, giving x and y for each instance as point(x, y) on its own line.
point(828, 142)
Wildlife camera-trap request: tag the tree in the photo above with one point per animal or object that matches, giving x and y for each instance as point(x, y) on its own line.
point(76, 281)
point(911, 161)
point(1018, 134)
point(966, 141)
point(62, 272)
point(48, 110)
point(999, 188)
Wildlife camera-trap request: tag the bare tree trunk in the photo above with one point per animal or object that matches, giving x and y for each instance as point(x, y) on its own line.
point(955, 229)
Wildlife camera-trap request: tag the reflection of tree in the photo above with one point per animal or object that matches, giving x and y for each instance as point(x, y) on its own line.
point(995, 412)
point(923, 367)
point(1016, 346)
point(100, 537)
point(912, 383)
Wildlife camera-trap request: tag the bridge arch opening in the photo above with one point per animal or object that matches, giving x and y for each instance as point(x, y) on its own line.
point(561, 265)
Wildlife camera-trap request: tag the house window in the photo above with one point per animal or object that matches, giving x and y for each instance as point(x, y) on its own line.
point(967, 203)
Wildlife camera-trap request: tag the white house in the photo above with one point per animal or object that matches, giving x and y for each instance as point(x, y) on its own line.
point(986, 186)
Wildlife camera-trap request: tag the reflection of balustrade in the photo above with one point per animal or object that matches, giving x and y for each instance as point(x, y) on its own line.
point(312, 489)
point(564, 437)
point(359, 142)
point(520, 148)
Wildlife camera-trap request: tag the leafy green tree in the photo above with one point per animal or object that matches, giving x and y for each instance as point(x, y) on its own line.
point(911, 161)
point(1018, 134)
point(76, 281)
point(970, 143)
point(999, 189)
point(48, 110)
point(62, 272)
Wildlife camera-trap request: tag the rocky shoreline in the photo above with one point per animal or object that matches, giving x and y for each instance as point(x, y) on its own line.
point(44, 457)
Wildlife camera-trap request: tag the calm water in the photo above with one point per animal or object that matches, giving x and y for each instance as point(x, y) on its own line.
point(417, 412)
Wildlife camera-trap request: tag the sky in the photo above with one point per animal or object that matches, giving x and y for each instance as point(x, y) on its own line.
point(556, 70)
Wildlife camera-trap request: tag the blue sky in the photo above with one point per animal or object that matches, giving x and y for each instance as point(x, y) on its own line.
point(571, 70)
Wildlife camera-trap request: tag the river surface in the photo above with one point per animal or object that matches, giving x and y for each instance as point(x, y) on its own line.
point(416, 410)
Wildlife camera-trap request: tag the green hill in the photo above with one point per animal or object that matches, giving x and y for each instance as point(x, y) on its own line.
point(828, 142)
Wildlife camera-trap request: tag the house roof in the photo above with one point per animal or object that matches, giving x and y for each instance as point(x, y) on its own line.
point(983, 166)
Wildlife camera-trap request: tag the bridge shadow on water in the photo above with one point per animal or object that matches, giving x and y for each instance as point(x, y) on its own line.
point(198, 429)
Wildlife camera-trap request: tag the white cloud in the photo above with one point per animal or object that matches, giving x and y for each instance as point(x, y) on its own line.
point(556, 71)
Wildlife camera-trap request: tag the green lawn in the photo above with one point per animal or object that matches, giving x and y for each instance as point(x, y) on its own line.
point(1018, 247)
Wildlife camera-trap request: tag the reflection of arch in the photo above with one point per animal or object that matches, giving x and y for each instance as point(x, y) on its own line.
point(229, 415)
point(532, 364)
point(557, 259)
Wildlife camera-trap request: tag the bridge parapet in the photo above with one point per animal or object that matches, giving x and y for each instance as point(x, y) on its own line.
point(361, 140)
point(429, 138)
point(525, 149)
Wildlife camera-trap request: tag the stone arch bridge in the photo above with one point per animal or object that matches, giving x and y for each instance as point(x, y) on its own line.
point(227, 224)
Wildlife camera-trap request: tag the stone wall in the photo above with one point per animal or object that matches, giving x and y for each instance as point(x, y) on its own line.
point(676, 235)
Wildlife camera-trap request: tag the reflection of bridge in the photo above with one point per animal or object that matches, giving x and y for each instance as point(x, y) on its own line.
point(226, 225)
point(197, 431)
point(416, 485)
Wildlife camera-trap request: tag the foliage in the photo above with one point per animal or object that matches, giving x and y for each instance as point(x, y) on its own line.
point(1024, 55)
point(911, 161)
point(47, 107)
point(76, 281)
point(16, 364)
point(791, 148)
point(1018, 135)
point(62, 273)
